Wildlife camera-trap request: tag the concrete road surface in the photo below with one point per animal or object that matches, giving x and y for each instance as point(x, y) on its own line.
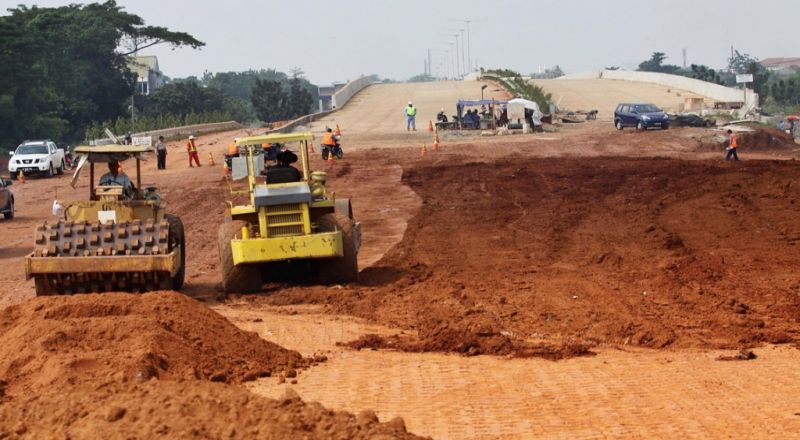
point(605, 94)
point(376, 114)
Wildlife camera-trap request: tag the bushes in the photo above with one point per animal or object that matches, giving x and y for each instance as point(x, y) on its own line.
point(514, 83)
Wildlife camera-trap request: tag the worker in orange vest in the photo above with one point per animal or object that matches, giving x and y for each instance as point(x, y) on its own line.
point(330, 144)
point(191, 148)
point(733, 142)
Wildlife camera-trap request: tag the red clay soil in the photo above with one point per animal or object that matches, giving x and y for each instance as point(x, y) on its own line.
point(549, 257)
point(185, 409)
point(53, 342)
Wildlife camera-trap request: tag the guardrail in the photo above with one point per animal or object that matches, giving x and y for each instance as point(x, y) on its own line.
point(179, 131)
point(703, 88)
point(344, 94)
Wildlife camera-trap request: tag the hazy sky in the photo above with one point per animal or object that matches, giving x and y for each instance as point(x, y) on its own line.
point(340, 40)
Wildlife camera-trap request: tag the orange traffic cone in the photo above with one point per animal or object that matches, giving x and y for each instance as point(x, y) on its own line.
point(311, 144)
point(211, 159)
point(430, 126)
point(225, 169)
point(330, 158)
point(424, 151)
point(21, 176)
point(337, 132)
point(435, 145)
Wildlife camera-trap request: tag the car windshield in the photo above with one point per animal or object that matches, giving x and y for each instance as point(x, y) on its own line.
point(646, 108)
point(32, 149)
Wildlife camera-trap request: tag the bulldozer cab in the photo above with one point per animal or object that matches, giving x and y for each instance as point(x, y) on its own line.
point(117, 197)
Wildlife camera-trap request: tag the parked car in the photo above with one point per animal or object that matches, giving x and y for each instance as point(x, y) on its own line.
point(641, 116)
point(37, 157)
point(691, 120)
point(6, 199)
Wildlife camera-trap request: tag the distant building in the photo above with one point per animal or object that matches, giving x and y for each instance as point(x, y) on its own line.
point(326, 95)
point(148, 76)
point(782, 65)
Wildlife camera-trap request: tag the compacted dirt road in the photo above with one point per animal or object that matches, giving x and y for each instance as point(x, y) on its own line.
point(580, 284)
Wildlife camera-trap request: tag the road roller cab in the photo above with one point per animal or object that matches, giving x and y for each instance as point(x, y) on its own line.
point(287, 223)
point(119, 239)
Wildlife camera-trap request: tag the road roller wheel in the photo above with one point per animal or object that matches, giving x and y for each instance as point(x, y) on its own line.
point(239, 279)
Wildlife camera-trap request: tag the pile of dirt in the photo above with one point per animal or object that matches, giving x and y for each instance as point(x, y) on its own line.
point(761, 138)
point(52, 342)
point(574, 252)
point(184, 409)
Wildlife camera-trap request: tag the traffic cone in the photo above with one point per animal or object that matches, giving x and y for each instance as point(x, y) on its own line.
point(337, 132)
point(424, 151)
point(330, 158)
point(225, 169)
point(311, 144)
point(430, 126)
point(211, 159)
point(435, 145)
point(21, 176)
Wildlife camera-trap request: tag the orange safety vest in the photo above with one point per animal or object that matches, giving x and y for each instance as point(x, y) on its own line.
point(734, 142)
point(328, 139)
point(191, 147)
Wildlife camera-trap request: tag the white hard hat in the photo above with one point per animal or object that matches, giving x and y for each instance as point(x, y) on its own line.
point(410, 103)
point(191, 137)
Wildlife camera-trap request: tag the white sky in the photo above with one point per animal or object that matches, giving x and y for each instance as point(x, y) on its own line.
point(340, 40)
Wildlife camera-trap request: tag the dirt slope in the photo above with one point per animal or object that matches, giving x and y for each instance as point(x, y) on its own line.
point(192, 409)
point(53, 342)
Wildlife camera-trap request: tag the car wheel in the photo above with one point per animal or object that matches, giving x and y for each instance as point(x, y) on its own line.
point(618, 124)
point(50, 171)
point(10, 214)
point(640, 126)
point(61, 168)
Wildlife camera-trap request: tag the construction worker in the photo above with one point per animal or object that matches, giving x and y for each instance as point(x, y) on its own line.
point(329, 139)
point(191, 148)
point(411, 117)
point(161, 150)
point(733, 142)
point(115, 176)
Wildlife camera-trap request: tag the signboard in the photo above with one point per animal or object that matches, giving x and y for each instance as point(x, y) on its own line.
point(744, 78)
point(142, 140)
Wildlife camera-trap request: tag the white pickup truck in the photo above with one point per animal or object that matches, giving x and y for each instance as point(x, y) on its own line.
point(37, 157)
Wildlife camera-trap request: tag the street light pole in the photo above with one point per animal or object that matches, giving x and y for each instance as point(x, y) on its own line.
point(483, 87)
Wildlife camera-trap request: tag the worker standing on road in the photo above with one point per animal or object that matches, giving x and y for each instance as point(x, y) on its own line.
point(411, 117)
point(733, 142)
point(191, 148)
point(161, 150)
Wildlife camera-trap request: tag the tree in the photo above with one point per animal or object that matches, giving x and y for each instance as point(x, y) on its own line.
point(300, 100)
point(184, 97)
point(655, 64)
point(741, 63)
point(61, 69)
point(269, 100)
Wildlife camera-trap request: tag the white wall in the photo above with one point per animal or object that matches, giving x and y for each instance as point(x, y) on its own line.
point(344, 94)
point(703, 88)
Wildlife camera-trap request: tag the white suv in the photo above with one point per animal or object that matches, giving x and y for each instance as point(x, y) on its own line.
point(37, 157)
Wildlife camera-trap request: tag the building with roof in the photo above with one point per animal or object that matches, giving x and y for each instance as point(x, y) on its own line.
point(782, 65)
point(148, 76)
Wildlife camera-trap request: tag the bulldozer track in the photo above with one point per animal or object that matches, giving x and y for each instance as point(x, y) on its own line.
point(66, 239)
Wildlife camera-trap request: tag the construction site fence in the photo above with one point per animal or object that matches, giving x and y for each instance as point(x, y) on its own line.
point(183, 131)
point(703, 88)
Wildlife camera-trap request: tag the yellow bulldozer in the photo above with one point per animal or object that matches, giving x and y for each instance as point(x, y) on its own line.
point(290, 222)
point(120, 239)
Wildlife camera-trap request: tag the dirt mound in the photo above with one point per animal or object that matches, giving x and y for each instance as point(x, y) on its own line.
point(761, 138)
point(50, 342)
point(572, 252)
point(187, 409)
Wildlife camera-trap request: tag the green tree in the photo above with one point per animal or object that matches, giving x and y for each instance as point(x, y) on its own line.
point(655, 64)
point(269, 100)
point(61, 69)
point(300, 100)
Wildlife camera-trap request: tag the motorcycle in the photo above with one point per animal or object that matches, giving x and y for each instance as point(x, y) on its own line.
point(336, 150)
point(68, 159)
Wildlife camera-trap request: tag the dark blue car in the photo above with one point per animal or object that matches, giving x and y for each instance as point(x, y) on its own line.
point(641, 116)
